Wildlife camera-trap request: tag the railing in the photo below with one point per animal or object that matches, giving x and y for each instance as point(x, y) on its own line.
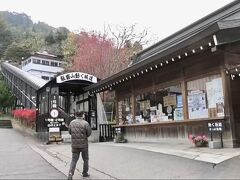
point(107, 132)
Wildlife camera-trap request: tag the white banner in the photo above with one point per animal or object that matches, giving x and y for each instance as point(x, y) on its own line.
point(76, 76)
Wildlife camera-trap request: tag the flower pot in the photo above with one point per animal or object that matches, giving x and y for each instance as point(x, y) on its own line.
point(200, 144)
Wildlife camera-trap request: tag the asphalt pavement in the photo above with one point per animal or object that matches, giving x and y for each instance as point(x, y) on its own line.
point(142, 160)
point(19, 161)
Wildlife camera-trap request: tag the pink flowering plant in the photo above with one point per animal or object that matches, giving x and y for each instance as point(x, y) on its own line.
point(198, 141)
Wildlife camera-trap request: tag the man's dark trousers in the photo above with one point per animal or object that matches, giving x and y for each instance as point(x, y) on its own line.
point(75, 156)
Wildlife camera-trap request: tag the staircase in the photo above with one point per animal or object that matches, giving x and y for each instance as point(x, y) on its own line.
point(5, 124)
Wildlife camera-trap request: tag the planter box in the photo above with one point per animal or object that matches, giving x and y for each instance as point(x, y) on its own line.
point(214, 144)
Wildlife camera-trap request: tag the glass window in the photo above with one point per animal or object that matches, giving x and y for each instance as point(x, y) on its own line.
point(86, 106)
point(125, 111)
point(45, 77)
point(81, 97)
point(54, 63)
point(163, 105)
point(85, 95)
point(205, 97)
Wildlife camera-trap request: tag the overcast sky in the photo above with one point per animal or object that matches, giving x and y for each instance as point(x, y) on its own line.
point(160, 17)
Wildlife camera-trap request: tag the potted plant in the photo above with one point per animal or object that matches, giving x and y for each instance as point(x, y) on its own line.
point(198, 141)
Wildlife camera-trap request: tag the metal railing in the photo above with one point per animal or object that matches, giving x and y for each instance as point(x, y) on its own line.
point(107, 132)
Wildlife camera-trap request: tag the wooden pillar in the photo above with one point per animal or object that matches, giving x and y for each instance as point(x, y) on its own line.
point(228, 107)
point(184, 99)
point(133, 100)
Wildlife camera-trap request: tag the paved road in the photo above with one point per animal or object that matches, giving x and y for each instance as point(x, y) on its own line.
point(130, 163)
point(19, 161)
point(106, 162)
point(127, 163)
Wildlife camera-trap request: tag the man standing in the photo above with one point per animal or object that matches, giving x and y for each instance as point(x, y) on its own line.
point(80, 130)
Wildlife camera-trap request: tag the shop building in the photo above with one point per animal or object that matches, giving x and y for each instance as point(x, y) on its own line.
point(179, 85)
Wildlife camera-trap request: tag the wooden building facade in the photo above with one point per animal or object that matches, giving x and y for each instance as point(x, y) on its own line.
point(179, 85)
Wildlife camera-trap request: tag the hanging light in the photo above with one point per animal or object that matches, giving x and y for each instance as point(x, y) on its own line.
point(156, 66)
point(173, 60)
point(186, 54)
point(179, 57)
point(201, 47)
point(193, 51)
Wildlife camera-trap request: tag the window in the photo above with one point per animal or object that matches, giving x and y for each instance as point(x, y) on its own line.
point(125, 111)
point(54, 63)
point(45, 77)
point(163, 105)
point(45, 62)
point(205, 97)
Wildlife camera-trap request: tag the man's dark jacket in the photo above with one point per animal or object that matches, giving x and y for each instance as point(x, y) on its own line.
point(80, 130)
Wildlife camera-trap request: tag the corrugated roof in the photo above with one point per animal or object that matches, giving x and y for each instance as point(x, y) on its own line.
point(30, 79)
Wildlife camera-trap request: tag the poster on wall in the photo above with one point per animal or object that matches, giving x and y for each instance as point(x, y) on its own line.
point(179, 101)
point(214, 92)
point(217, 83)
point(197, 106)
point(178, 114)
point(210, 95)
point(169, 100)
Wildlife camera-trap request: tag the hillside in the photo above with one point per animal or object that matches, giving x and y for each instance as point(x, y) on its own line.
point(20, 36)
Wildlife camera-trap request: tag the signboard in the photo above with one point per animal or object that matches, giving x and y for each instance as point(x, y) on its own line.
point(53, 101)
point(76, 76)
point(55, 134)
point(215, 126)
point(93, 119)
point(55, 122)
point(170, 100)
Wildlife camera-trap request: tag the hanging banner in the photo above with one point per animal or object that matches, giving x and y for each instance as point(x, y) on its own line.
point(76, 76)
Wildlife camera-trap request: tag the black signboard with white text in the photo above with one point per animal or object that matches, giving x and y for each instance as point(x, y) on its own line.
point(215, 126)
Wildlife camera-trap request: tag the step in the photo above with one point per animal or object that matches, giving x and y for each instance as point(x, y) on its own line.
point(6, 124)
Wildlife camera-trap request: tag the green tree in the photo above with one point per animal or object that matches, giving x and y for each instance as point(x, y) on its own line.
point(33, 42)
point(69, 47)
point(49, 39)
point(16, 51)
point(5, 37)
point(6, 98)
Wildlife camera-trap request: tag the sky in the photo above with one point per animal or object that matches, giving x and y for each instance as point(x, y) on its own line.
point(160, 17)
